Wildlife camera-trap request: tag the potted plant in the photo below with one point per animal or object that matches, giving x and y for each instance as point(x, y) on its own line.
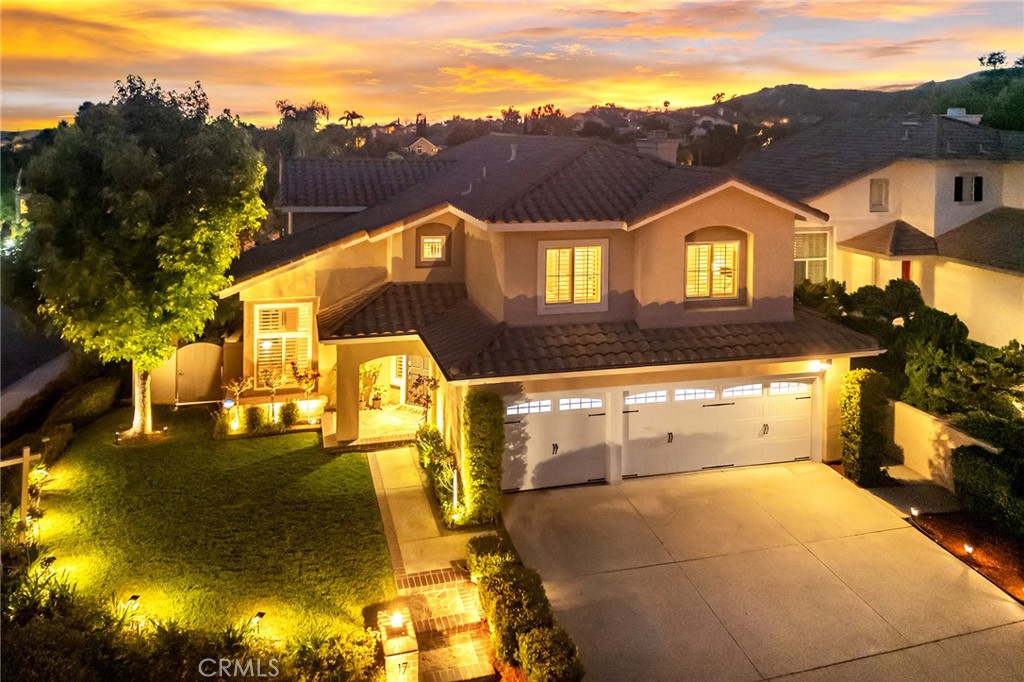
point(376, 399)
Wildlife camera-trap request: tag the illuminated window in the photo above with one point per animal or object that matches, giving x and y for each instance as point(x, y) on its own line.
point(580, 403)
point(879, 195)
point(432, 248)
point(282, 336)
point(711, 269)
point(694, 394)
point(573, 274)
point(787, 387)
point(810, 257)
point(23, 207)
point(647, 398)
point(746, 389)
point(532, 407)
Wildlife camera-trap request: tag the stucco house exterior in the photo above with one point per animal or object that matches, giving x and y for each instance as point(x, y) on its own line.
point(421, 146)
point(937, 200)
point(636, 316)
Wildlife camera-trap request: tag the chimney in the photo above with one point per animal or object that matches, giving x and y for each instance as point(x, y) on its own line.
point(660, 147)
point(960, 114)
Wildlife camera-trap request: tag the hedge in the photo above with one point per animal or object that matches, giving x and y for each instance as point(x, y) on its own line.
point(488, 554)
point(515, 603)
point(1004, 433)
point(549, 655)
point(483, 423)
point(438, 463)
point(255, 417)
point(290, 413)
point(862, 402)
point(85, 404)
point(990, 485)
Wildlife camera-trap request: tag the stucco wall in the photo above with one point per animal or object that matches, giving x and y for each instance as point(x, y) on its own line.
point(485, 270)
point(1013, 185)
point(991, 303)
point(660, 259)
point(950, 214)
point(404, 247)
point(927, 443)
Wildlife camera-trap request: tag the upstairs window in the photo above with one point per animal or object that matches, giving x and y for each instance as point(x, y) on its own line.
point(433, 250)
point(574, 275)
point(711, 269)
point(810, 257)
point(283, 335)
point(968, 189)
point(879, 199)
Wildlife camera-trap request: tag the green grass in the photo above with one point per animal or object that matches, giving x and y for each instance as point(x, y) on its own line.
point(210, 532)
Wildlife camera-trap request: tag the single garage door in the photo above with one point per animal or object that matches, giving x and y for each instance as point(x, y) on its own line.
point(555, 439)
point(690, 428)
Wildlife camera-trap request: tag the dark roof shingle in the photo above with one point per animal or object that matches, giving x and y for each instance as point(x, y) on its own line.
point(995, 239)
point(325, 183)
point(894, 239)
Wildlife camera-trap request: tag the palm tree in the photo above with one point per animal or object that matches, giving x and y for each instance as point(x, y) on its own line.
point(350, 118)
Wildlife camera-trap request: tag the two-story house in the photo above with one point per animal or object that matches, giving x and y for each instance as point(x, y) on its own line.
point(636, 316)
point(937, 200)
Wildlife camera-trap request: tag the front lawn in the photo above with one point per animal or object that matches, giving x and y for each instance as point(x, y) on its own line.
point(211, 532)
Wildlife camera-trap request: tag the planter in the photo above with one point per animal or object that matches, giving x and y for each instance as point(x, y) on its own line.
point(375, 405)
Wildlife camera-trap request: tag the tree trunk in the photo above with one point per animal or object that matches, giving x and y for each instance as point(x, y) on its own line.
point(142, 398)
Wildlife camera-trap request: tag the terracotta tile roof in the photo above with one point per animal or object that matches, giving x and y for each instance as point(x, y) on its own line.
point(893, 239)
point(995, 239)
point(466, 344)
point(546, 179)
point(831, 153)
point(326, 183)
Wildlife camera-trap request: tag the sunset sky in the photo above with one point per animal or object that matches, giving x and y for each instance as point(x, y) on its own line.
point(394, 59)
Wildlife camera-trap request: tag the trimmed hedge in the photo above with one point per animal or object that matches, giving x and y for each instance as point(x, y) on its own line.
point(255, 417)
point(85, 404)
point(515, 603)
point(991, 486)
point(488, 554)
point(290, 414)
point(549, 655)
point(438, 462)
point(995, 430)
point(483, 423)
point(862, 402)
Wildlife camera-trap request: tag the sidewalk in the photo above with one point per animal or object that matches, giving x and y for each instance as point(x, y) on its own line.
point(427, 560)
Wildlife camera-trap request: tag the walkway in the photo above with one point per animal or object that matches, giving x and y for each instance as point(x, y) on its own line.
point(429, 565)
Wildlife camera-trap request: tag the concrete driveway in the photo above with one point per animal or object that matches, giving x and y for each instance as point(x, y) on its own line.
point(760, 573)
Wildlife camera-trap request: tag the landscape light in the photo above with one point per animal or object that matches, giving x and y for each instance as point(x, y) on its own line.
point(229, 403)
point(133, 602)
point(166, 429)
point(914, 511)
point(969, 548)
point(117, 437)
point(256, 620)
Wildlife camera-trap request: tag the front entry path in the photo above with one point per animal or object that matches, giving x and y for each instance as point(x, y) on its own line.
point(428, 563)
point(783, 571)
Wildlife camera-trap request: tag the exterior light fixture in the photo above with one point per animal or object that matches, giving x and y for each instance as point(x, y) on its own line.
point(228, 404)
point(117, 437)
point(397, 620)
point(969, 548)
point(166, 429)
point(265, 345)
point(914, 511)
point(256, 620)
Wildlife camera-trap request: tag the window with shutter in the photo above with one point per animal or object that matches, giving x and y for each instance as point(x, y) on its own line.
point(283, 335)
point(573, 275)
point(810, 257)
point(711, 269)
point(968, 189)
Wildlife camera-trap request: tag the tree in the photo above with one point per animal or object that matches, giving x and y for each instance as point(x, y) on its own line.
point(718, 97)
point(137, 210)
point(510, 119)
point(1018, 63)
point(349, 118)
point(993, 60)
point(299, 123)
point(546, 120)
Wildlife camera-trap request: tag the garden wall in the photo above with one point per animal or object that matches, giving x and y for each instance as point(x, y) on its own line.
point(927, 442)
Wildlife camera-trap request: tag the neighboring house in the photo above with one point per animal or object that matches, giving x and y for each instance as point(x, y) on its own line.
point(937, 200)
point(422, 147)
point(637, 317)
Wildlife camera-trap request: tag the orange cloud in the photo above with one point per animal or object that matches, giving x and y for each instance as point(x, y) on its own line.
point(473, 79)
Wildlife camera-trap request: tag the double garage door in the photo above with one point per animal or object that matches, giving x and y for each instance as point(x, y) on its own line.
point(562, 438)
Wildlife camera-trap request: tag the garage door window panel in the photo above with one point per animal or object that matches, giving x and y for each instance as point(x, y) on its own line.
point(743, 391)
point(684, 394)
point(532, 407)
point(567, 404)
point(647, 398)
point(788, 387)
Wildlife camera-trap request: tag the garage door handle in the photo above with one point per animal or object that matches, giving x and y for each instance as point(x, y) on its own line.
point(670, 436)
point(629, 411)
point(517, 421)
point(804, 397)
point(718, 405)
point(597, 414)
point(554, 448)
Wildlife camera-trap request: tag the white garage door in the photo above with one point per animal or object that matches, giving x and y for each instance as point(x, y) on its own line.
point(733, 424)
point(555, 439)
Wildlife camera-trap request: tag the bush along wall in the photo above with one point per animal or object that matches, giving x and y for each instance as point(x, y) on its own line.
point(523, 630)
point(439, 464)
point(863, 407)
point(991, 486)
point(483, 424)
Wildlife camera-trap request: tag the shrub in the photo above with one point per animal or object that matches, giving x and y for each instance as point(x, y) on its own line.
point(439, 464)
point(430, 444)
point(941, 330)
point(254, 418)
point(998, 431)
point(353, 655)
point(991, 486)
point(902, 298)
point(828, 297)
point(488, 554)
point(862, 403)
point(484, 443)
point(55, 441)
point(869, 301)
point(85, 404)
point(549, 655)
point(290, 414)
point(515, 603)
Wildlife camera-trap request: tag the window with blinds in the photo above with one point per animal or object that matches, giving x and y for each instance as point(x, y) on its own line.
point(282, 336)
point(432, 248)
point(879, 195)
point(711, 269)
point(810, 257)
point(572, 275)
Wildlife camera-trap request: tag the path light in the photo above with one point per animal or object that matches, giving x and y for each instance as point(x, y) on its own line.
point(166, 429)
point(133, 602)
point(228, 403)
point(117, 437)
point(256, 620)
point(914, 511)
point(46, 565)
point(968, 548)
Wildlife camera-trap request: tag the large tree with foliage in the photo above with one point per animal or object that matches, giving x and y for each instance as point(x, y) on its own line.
point(136, 213)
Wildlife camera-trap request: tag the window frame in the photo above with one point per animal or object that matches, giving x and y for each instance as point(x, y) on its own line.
point(545, 308)
point(883, 206)
point(968, 188)
point(827, 257)
point(711, 296)
point(259, 337)
point(446, 251)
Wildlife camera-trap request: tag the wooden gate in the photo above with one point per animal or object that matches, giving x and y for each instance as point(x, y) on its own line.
point(192, 375)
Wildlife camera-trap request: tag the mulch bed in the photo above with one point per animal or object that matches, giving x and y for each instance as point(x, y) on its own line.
point(997, 556)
